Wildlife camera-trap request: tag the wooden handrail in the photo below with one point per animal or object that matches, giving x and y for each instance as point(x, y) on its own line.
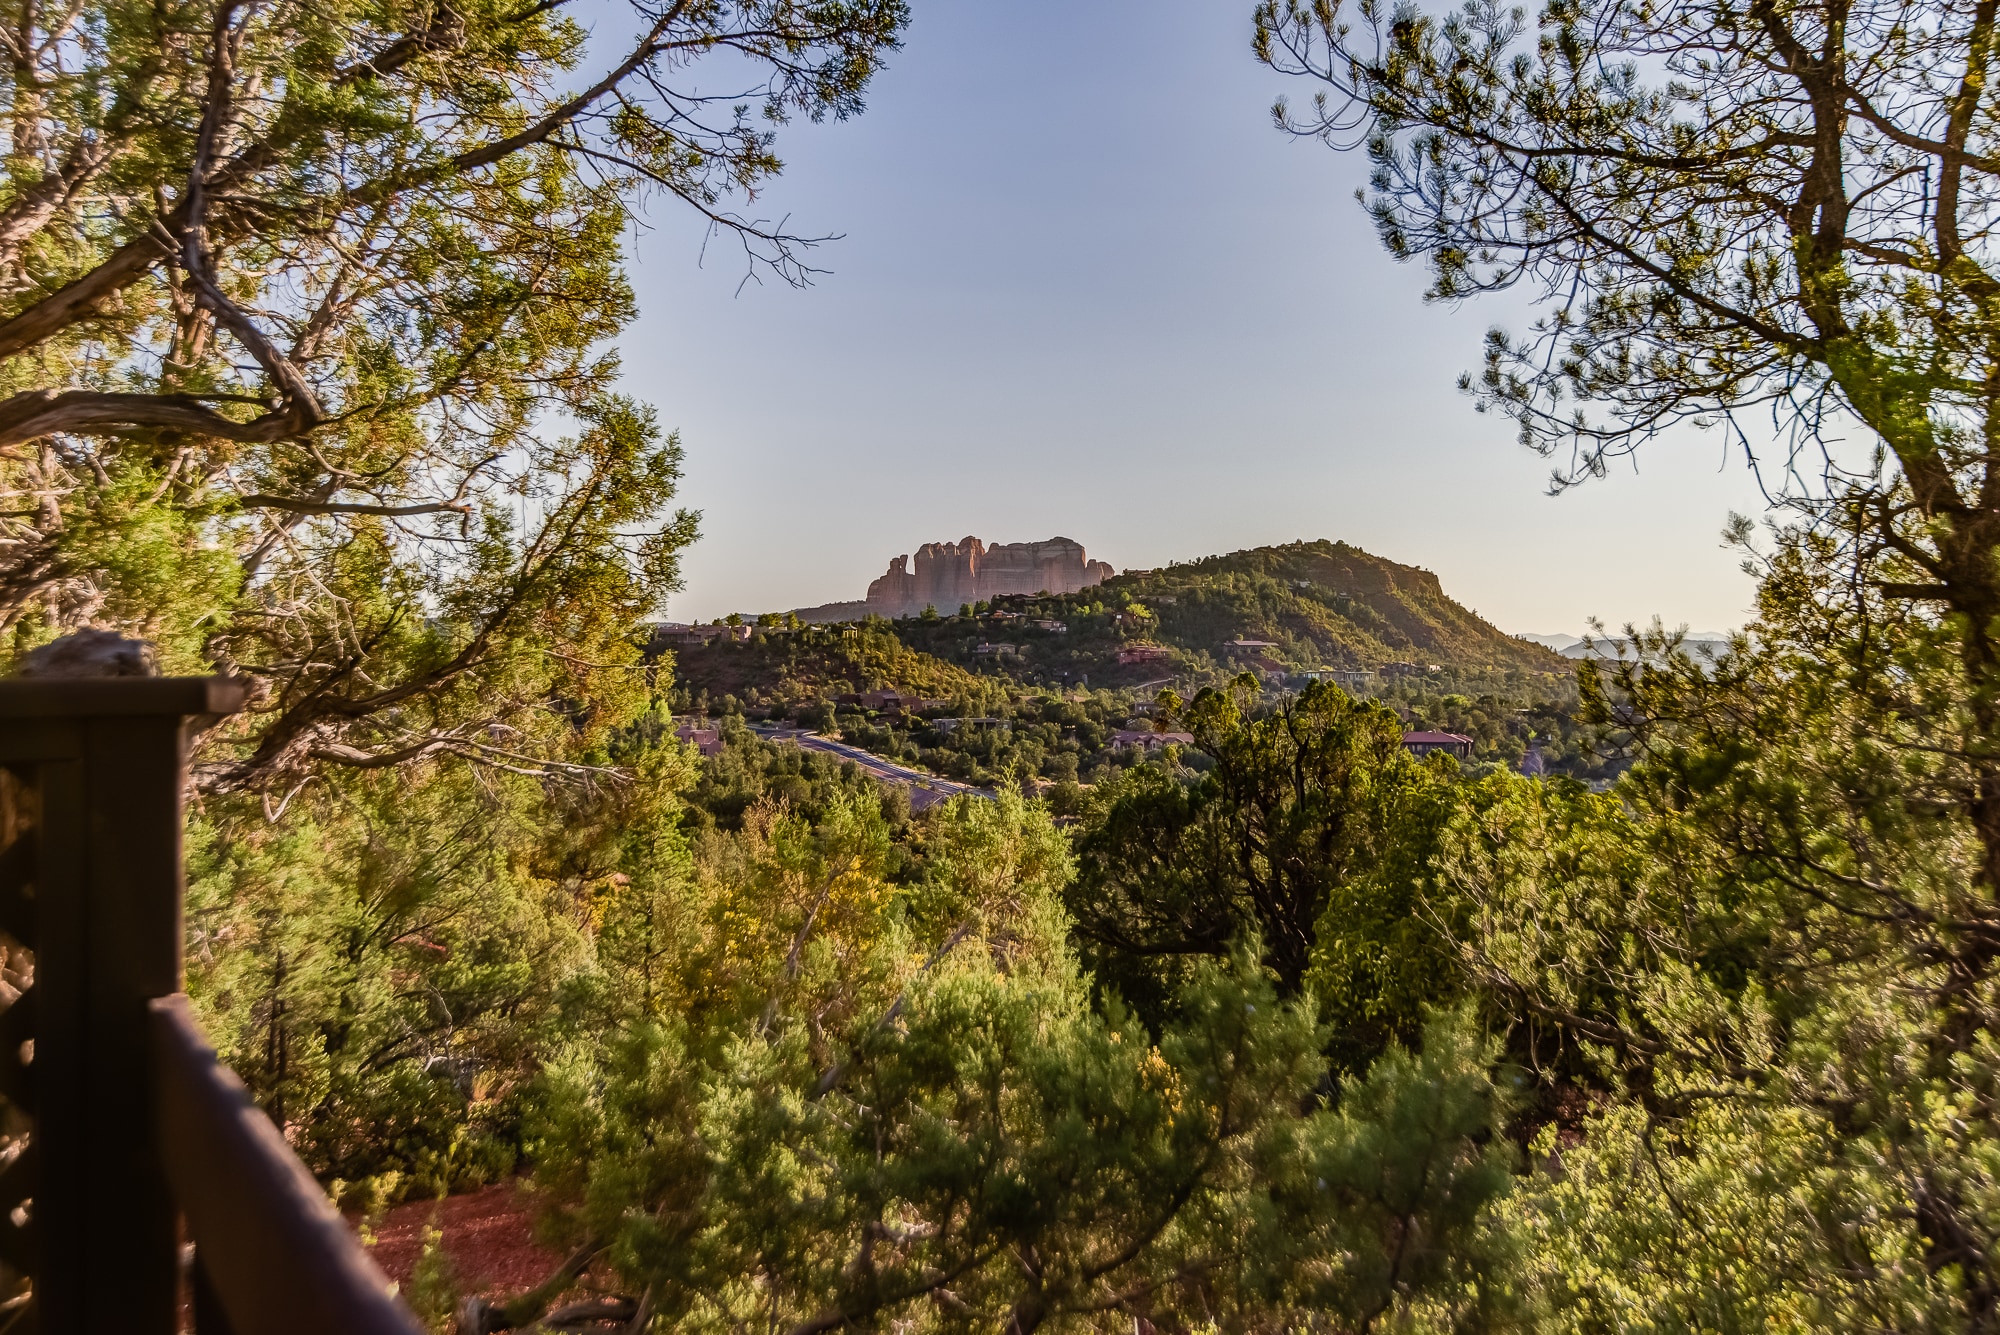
point(277, 1255)
point(117, 1123)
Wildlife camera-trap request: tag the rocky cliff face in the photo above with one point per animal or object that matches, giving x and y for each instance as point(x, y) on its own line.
point(946, 575)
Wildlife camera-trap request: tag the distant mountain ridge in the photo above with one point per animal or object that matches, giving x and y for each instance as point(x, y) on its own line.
point(1712, 644)
point(1286, 610)
point(1701, 649)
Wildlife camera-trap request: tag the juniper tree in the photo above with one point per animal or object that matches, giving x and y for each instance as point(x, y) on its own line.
point(1312, 829)
point(305, 318)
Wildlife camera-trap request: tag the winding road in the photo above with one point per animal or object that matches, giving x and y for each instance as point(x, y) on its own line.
point(888, 771)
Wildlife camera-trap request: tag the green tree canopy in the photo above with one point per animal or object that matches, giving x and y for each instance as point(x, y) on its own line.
point(854, 1106)
point(304, 341)
point(1727, 209)
point(1754, 982)
point(1311, 832)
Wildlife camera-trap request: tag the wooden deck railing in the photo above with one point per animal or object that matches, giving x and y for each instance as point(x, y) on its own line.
point(121, 1135)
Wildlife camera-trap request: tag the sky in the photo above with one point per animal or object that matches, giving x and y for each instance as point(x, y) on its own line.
point(1084, 288)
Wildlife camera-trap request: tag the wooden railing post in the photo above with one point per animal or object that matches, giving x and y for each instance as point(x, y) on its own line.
point(117, 1120)
point(91, 880)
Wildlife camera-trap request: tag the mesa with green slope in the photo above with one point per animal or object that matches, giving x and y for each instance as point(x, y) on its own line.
point(1311, 604)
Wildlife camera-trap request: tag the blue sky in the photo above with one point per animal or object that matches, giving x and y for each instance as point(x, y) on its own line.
point(1085, 288)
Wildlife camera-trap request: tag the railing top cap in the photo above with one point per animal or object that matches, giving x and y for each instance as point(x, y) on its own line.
point(101, 697)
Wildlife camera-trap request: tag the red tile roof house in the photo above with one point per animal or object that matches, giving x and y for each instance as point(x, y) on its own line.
point(1423, 743)
point(1144, 653)
point(706, 740)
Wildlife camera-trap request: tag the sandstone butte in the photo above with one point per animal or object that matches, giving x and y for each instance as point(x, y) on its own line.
point(947, 575)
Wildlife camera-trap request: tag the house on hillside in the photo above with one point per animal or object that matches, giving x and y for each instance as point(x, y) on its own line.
point(1347, 679)
point(673, 634)
point(890, 700)
point(1149, 739)
point(705, 739)
point(954, 724)
point(1143, 653)
point(1423, 743)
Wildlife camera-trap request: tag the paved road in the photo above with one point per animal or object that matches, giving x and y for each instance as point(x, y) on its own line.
point(888, 771)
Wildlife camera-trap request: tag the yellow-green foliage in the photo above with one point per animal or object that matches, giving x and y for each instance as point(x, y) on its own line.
point(435, 1289)
point(1765, 1054)
point(848, 1102)
point(156, 569)
point(383, 966)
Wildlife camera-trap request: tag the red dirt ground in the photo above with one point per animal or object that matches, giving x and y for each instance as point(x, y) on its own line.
point(487, 1234)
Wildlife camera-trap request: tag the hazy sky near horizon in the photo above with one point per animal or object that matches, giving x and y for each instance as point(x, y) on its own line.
point(1085, 288)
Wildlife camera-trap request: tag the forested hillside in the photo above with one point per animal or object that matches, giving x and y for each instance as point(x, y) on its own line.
point(1325, 600)
point(1311, 604)
point(786, 668)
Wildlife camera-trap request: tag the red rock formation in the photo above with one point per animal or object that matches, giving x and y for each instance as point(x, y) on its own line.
point(948, 575)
